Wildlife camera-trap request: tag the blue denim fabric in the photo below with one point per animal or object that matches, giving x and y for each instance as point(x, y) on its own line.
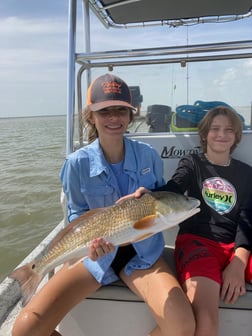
point(89, 182)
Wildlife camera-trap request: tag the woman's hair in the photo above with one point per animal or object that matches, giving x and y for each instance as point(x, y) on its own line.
point(92, 132)
point(206, 122)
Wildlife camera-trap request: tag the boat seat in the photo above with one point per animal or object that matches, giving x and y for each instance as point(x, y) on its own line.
point(117, 291)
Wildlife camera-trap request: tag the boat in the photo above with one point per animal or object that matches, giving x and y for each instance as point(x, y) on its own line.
point(172, 86)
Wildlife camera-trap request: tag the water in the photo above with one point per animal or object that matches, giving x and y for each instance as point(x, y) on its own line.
point(32, 151)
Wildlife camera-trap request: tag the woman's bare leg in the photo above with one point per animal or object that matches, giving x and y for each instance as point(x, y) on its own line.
point(161, 291)
point(204, 295)
point(48, 307)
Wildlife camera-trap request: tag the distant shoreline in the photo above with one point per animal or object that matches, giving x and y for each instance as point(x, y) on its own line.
point(244, 110)
point(35, 116)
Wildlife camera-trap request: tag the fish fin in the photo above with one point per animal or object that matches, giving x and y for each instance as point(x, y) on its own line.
point(73, 226)
point(126, 199)
point(145, 222)
point(74, 261)
point(145, 236)
point(90, 213)
point(28, 280)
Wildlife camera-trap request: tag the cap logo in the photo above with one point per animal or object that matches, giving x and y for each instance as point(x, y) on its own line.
point(106, 91)
point(111, 87)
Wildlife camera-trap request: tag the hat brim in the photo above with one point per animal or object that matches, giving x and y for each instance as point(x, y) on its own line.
point(99, 106)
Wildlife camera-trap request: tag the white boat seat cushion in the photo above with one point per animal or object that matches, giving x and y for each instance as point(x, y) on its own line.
point(119, 292)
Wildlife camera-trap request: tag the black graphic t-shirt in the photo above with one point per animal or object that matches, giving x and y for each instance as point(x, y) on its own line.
point(226, 199)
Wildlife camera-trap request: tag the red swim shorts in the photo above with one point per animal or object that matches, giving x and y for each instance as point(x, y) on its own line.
point(198, 256)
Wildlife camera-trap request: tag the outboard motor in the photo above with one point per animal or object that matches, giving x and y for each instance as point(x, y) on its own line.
point(137, 98)
point(158, 117)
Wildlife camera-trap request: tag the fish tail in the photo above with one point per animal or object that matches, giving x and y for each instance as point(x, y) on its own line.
point(28, 280)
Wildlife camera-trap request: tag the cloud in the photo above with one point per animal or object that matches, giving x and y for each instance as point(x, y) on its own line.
point(230, 74)
point(247, 68)
point(33, 63)
point(18, 26)
point(32, 42)
point(12, 29)
point(33, 9)
point(33, 53)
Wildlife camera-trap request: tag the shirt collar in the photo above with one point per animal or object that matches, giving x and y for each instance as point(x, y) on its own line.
point(97, 161)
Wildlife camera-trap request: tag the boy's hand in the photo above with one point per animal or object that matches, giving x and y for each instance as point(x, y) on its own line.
point(138, 193)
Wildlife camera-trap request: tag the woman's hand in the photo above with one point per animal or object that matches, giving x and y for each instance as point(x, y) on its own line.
point(99, 247)
point(138, 193)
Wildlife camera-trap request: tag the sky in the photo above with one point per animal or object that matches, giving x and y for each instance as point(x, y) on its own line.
point(33, 52)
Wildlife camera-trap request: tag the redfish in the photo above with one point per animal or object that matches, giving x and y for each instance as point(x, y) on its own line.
point(131, 220)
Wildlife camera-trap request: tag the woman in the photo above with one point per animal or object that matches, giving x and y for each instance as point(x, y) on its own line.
point(96, 176)
point(212, 250)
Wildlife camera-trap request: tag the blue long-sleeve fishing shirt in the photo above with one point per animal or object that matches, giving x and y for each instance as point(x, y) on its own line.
point(89, 182)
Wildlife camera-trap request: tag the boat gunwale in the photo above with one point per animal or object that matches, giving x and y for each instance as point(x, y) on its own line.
point(9, 289)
